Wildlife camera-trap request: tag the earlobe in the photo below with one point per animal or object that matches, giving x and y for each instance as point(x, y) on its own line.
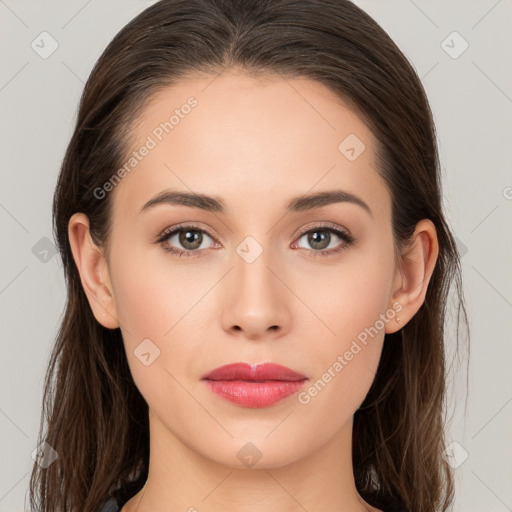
point(414, 274)
point(93, 270)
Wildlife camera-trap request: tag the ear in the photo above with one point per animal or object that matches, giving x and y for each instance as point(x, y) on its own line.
point(93, 270)
point(413, 275)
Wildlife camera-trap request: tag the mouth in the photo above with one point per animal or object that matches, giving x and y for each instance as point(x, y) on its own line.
point(254, 386)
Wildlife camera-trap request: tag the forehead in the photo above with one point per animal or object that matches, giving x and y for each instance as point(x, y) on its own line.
point(251, 140)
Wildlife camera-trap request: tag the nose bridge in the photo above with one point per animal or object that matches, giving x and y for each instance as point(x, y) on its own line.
point(252, 264)
point(256, 297)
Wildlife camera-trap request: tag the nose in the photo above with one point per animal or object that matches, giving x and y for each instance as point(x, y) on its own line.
point(256, 299)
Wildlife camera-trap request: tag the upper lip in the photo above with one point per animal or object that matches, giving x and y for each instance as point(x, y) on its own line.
point(260, 372)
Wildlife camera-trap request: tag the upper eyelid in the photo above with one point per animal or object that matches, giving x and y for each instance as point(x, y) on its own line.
point(326, 225)
point(167, 232)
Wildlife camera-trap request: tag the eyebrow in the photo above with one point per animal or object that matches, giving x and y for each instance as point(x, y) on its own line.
point(217, 204)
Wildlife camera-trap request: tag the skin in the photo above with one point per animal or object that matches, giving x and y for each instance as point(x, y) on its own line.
point(256, 144)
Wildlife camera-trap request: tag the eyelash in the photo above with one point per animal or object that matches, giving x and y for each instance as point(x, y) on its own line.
point(331, 228)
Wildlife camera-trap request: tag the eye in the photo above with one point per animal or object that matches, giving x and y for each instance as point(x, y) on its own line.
point(189, 240)
point(190, 237)
point(322, 237)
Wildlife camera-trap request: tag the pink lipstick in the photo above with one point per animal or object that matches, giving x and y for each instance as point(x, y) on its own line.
point(254, 386)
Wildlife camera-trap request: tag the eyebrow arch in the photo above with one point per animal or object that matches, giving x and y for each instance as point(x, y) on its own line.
point(217, 205)
point(319, 199)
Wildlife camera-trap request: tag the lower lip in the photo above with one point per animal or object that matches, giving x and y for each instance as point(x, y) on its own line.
point(254, 394)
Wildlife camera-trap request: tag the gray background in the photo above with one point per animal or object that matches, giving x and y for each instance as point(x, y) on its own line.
point(471, 97)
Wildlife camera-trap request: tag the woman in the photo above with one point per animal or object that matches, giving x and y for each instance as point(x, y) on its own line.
point(257, 261)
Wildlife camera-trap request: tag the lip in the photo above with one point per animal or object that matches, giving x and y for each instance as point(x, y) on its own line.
point(255, 372)
point(254, 386)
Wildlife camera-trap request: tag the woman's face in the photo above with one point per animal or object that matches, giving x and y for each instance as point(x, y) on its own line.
point(259, 278)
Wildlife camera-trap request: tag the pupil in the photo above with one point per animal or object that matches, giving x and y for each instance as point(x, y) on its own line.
point(315, 239)
point(188, 238)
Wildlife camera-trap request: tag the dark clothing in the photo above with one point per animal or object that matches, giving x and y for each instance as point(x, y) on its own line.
point(112, 505)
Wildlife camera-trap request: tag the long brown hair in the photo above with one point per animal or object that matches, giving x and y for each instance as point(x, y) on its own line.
point(93, 414)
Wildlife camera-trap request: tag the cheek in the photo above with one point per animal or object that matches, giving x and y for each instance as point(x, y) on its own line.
point(160, 305)
point(352, 306)
point(349, 298)
point(154, 293)
point(156, 305)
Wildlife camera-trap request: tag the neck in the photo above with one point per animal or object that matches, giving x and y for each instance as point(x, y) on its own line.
point(182, 479)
